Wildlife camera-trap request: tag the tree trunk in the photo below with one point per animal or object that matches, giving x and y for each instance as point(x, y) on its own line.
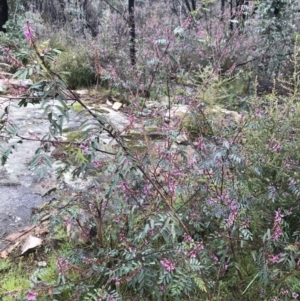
point(222, 9)
point(187, 3)
point(131, 22)
point(231, 15)
point(193, 5)
point(3, 14)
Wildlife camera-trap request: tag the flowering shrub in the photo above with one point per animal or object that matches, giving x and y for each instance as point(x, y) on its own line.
point(215, 217)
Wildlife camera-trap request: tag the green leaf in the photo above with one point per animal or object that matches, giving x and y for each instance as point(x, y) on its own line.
point(250, 283)
point(200, 283)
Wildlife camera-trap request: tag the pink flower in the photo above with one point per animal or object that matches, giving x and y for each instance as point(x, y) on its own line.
point(28, 31)
point(97, 164)
point(167, 264)
point(275, 258)
point(284, 292)
point(30, 295)
point(277, 230)
point(188, 238)
point(215, 258)
point(84, 148)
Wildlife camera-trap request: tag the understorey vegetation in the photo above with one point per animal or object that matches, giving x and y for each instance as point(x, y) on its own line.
point(209, 210)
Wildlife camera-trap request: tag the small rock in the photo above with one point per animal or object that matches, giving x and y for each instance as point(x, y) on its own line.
point(182, 139)
point(82, 92)
point(151, 104)
point(42, 263)
point(117, 105)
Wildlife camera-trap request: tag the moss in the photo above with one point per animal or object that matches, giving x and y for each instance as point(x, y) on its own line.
point(104, 92)
point(102, 95)
point(96, 172)
point(75, 136)
point(152, 129)
point(77, 107)
point(140, 148)
point(101, 111)
point(66, 130)
point(135, 142)
point(196, 125)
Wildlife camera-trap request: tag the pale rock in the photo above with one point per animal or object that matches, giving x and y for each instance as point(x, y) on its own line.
point(4, 254)
point(42, 264)
point(117, 106)
point(82, 92)
point(151, 104)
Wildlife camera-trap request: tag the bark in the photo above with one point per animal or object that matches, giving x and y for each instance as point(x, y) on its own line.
point(91, 18)
point(193, 5)
point(3, 14)
point(222, 9)
point(187, 3)
point(131, 22)
point(231, 15)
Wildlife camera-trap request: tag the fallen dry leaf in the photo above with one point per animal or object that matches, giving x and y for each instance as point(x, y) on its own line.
point(31, 243)
point(4, 254)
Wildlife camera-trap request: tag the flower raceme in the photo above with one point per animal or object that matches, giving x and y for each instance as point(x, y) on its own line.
point(28, 30)
point(30, 295)
point(167, 264)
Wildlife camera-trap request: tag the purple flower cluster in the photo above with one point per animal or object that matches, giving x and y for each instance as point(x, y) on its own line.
point(275, 258)
point(63, 265)
point(198, 247)
point(28, 31)
point(168, 265)
point(277, 230)
point(84, 148)
point(188, 238)
point(30, 295)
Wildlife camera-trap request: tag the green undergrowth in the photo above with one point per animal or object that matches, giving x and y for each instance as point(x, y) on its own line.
point(15, 279)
